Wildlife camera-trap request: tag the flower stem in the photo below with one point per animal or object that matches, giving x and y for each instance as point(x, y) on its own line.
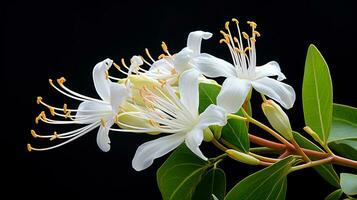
point(312, 164)
point(300, 151)
point(264, 158)
point(219, 145)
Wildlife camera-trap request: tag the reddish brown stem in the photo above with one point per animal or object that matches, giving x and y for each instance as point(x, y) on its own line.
point(344, 161)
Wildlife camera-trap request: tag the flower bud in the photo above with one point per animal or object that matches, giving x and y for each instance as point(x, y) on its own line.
point(277, 118)
point(207, 134)
point(242, 157)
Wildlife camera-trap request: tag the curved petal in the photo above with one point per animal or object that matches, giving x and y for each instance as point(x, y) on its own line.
point(279, 91)
point(181, 60)
point(118, 94)
point(188, 88)
point(233, 94)
point(193, 141)
point(147, 152)
point(103, 140)
point(194, 40)
point(88, 109)
point(213, 115)
point(161, 66)
point(214, 67)
point(270, 69)
point(101, 83)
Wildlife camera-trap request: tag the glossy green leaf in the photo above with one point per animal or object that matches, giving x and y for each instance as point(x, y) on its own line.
point(178, 177)
point(346, 148)
point(349, 183)
point(317, 94)
point(326, 171)
point(236, 133)
point(344, 124)
point(213, 182)
point(208, 94)
point(336, 195)
point(266, 184)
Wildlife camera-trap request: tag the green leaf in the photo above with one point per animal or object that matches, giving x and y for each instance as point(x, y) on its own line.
point(178, 177)
point(213, 182)
point(344, 123)
point(317, 94)
point(208, 94)
point(326, 171)
point(336, 195)
point(349, 183)
point(268, 183)
point(236, 133)
point(346, 148)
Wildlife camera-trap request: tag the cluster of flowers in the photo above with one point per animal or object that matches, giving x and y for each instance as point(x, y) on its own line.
point(164, 98)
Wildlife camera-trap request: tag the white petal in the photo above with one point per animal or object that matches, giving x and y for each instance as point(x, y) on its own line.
point(181, 60)
point(194, 40)
point(118, 94)
point(188, 87)
point(101, 84)
point(279, 91)
point(270, 69)
point(89, 108)
point(213, 115)
point(233, 94)
point(162, 66)
point(213, 67)
point(193, 141)
point(103, 140)
point(147, 152)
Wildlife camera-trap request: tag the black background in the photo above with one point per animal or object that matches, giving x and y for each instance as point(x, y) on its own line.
point(49, 40)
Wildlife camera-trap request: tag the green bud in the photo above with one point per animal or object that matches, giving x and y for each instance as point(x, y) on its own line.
point(207, 135)
point(217, 131)
point(313, 134)
point(277, 118)
point(242, 157)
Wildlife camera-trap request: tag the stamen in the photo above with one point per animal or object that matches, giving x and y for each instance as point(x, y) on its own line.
point(29, 148)
point(252, 24)
point(55, 136)
point(39, 100)
point(235, 20)
point(67, 115)
point(34, 134)
point(52, 110)
point(61, 80)
point(164, 47)
point(173, 71)
point(226, 25)
point(123, 63)
point(65, 108)
point(247, 49)
point(106, 75)
point(256, 33)
point(148, 54)
point(161, 56)
point(245, 35)
point(102, 122)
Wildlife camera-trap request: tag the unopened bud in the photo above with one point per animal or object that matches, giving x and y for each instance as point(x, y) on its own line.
point(207, 135)
point(313, 134)
point(277, 118)
point(242, 157)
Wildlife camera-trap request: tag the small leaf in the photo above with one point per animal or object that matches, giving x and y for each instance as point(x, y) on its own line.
point(349, 183)
point(208, 94)
point(212, 183)
point(317, 94)
point(344, 124)
point(266, 184)
point(178, 177)
point(326, 171)
point(336, 195)
point(347, 148)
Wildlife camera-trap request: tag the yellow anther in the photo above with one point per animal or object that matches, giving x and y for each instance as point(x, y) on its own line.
point(164, 47)
point(29, 148)
point(37, 119)
point(123, 63)
point(34, 134)
point(226, 25)
point(161, 56)
point(252, 24)
point(223, 41)
point(106, 75)
point(223, 33)
point(245, 35)
point(61, 80)
point(162, 82)
point(148, 53)
point(52, 110)
point(235, 20)
point(173, 71)
point(39, 100)
point(236, 40)
point(67, 114)
point(102, 122)
point(50, 81)
point(153, 123)
point(256, 33)
point(247, 49)
point(54, 136)
point(65, 108)
point(43, 115)
point(238, 50)
point(116, 66)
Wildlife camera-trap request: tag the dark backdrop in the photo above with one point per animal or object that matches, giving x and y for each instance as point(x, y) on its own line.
point(49, 40)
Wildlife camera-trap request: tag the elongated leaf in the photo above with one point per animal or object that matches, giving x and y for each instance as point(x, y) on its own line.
point(178, 177)
point(326, 171)
point(317, 94)
point(336, 195)
point(349, 183)
point(236, 133)
point(213, 182)
point(208, 94)
point(266, 184)
point(346, 148)
point(344, 124)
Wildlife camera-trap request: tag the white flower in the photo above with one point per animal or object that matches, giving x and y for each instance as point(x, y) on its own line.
point(94, 112)
point(177, 116)
point(244, 73)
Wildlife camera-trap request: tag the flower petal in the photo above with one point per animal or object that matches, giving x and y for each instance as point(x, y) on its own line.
point(103, 140)
point(213, 115)
point(213, 67)
point(101, 83)
point(270, 69)
point(118, 94)
point(279, 91)
point(194, 40)
point(147, 152)
point(88, 109)
point(181, 60)
point(193, 141)
point(233, 94)
point(188, 87)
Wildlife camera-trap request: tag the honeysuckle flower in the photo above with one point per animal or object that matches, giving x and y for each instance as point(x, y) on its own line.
point(176, 115)
point(244, 74)
point(93, 112)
